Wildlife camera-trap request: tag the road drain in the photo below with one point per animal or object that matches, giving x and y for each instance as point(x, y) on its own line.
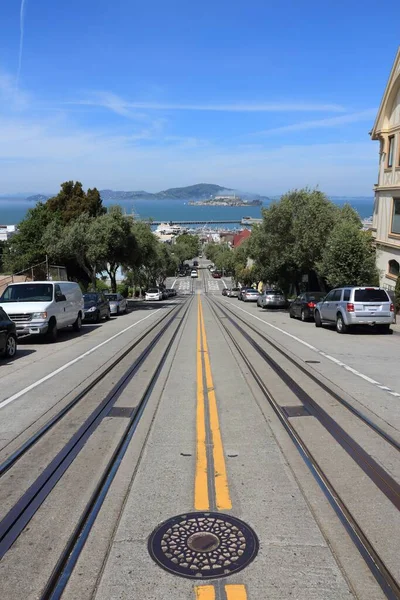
point(203, 545)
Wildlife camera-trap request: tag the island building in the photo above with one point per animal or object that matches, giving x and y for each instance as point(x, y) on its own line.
point(386, 218)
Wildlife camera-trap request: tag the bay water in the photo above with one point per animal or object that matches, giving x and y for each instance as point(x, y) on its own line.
point(13, 210)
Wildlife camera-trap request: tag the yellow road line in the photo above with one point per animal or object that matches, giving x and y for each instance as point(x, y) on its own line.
point(201, 498)
point(223, 499)
point(235, 592)
point(205, 592)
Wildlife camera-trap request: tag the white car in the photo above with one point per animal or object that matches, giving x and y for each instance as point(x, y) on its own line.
point(153, 294)
point(43, 307)
point(194, 273)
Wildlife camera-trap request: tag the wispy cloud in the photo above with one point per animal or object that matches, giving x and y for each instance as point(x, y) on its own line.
point(21, 38)
point(364, 115)
point(123, 107)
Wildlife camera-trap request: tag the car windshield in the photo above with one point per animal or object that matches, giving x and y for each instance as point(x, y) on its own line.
point(112, 297)
point(153, 291)
point(32, 292)
point(370, 295)
point(316, 296)
point(90, 297)
point(251, 291)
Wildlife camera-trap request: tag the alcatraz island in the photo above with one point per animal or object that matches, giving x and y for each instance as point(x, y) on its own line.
point(225, 201)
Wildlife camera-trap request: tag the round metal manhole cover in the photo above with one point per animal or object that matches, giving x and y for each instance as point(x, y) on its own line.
point(203, 545)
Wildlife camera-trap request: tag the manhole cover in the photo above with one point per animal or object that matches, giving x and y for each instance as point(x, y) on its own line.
point(203, 545)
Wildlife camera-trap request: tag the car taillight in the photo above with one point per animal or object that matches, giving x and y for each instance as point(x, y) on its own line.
point(311, 304)
point(350, 307)
point(392, 307)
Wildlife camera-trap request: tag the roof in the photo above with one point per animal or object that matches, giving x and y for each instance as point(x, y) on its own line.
point(391, 87)
point(239, 238)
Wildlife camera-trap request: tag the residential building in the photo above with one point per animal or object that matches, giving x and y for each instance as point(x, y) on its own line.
point(386, 219)
point(240, 237)
point(7, 231)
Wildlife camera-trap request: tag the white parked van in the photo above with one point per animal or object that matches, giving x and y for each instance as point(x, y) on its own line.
point(43, 307)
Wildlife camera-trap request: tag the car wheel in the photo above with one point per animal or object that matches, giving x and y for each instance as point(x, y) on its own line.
point(291, 314)
point(10, 348)
point(77, 326)
point(52, 333)
point(317, 318)
point(384, 329)
point(303, 315)
point(341, 326)
point(108, 316)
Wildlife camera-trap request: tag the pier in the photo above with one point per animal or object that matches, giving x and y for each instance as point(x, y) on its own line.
point(244, 221)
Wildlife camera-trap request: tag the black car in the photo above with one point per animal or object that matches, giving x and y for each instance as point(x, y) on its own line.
point(96, 307)
point(303, 306)
point(171, 292)
point(225, 292)
point(8, 336)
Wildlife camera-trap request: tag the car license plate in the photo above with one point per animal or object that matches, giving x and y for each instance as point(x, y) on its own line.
point(372, 308)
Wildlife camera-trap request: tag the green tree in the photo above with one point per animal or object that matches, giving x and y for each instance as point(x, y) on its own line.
point(186, 247)
point(3, 252)
point(348, 257)
point(397, 294)
point(111, 243)
point(72, 201)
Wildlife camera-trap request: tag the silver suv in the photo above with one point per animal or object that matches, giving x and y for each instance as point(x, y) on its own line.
point(349, 306)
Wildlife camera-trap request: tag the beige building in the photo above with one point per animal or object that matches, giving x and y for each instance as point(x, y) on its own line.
point(386, 221)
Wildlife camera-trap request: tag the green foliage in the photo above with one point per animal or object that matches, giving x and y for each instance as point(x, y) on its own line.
point(186, 247)
point(72, 201)
point(397, 294)
point(123, 289)
point(349, 256)
point(27, 247)
point(3, 252)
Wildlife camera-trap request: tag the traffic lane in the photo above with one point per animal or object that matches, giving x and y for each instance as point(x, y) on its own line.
point(360, 364)
point(29, 392)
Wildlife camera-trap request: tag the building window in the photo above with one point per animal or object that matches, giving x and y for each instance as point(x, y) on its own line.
point(391, 152)
point(394, 268)
point(396, 216)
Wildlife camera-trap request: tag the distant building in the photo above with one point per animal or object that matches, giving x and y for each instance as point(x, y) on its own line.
point(240, 237)
point(7, 231)
point(386, 219)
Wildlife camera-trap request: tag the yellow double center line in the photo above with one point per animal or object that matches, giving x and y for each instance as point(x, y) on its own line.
point(233, 592)
point(206, 399)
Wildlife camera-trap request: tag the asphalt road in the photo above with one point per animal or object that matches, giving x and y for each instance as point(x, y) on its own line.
point(208, 440)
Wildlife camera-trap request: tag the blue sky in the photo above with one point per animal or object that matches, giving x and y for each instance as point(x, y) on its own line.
point(260, 96)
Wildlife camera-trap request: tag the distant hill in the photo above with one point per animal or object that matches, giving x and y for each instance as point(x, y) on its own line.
point(200, 191)
point(38, 198)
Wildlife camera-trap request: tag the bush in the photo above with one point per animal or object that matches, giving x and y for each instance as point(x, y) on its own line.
point(123, 289)
point(397, 295)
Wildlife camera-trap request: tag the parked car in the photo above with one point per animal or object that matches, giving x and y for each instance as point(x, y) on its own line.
point(182, 274)
point(164, 294)
point(95, 307)
point(225, 292)
point(272, 299)
point(8, 336)
point(250, 295)
point(303, 306)
point(43, 307)
point(195, 263)
point(349, 306)
point(153, 294)
point(194, 273)
point(392, 297)
point(233, 292)
point(242, 290)
point(118, 304)
point(216, 275)
point(171, 292)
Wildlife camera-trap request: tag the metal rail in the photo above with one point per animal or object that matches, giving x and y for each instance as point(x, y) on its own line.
point(67, 561)
point(33, 439)
point(17, 518)
point(382, 574)
point(376, 428)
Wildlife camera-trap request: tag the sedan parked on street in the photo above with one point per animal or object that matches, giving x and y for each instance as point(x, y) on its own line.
point(350, 306)
point(153, 294)
point(118, 304)
point(303, 306)
point(95, 307)
point(250, 295)
point(8, 336)
point(272, 299)
point(242, 291)
point(233, 292)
